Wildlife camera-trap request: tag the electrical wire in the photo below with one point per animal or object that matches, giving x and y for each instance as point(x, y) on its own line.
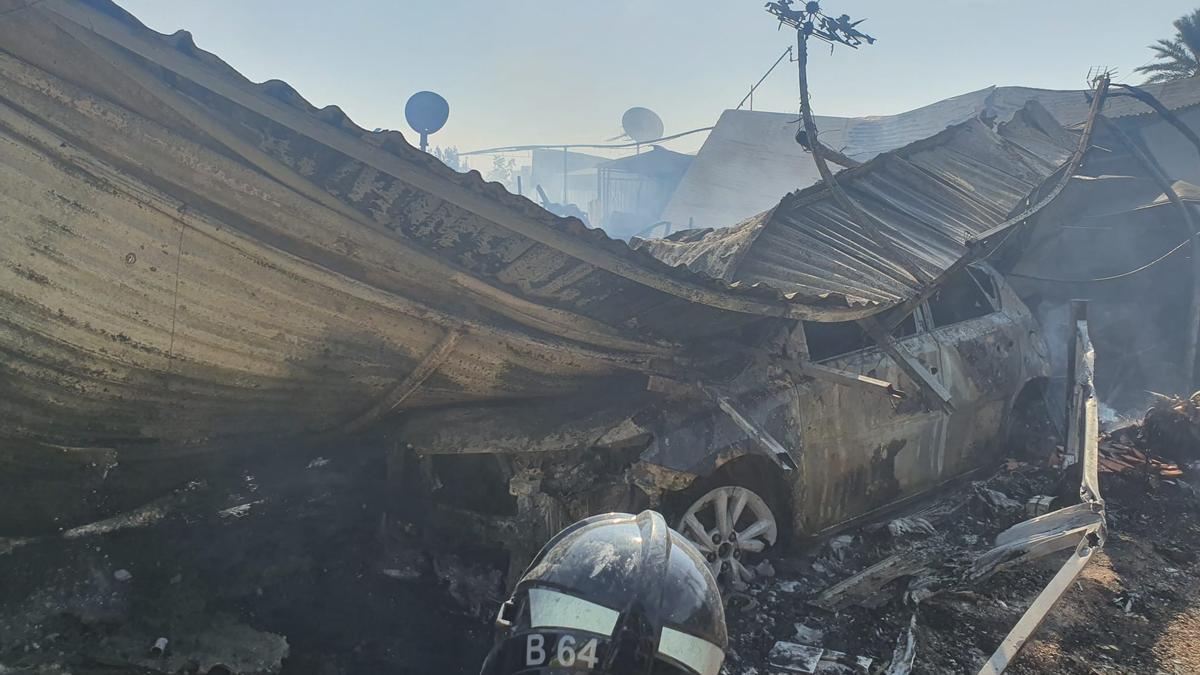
point(563, 146)
point(786, 52)
point(1114, 277)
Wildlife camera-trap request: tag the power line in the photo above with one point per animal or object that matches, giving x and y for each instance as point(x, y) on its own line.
point(750, 96)
point(1114, 277)
point(567, 146)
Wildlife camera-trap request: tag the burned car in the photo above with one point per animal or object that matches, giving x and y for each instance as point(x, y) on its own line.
point(818, 426)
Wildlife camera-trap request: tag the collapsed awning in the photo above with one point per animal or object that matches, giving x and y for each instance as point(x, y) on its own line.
point(931, 198)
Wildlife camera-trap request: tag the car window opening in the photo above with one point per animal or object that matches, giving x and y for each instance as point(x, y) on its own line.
point(987, 283)
point(830, 340)
point(906, 328)
point(960, 299)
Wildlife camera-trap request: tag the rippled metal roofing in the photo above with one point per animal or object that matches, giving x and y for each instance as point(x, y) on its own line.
point(751, 157)
point(931, 197)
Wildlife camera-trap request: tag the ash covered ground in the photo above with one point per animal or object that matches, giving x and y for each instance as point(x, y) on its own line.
point(287, 568)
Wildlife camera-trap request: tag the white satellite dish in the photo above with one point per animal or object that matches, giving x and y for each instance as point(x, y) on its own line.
point(642, 125)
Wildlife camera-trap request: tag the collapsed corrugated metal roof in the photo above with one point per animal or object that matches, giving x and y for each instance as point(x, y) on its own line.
point(192, 263)
point(178, 62)
point(932, 197)
point(186, 256)
point(751, 157)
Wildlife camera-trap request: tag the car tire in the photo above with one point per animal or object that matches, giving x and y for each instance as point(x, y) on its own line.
point(735, 546)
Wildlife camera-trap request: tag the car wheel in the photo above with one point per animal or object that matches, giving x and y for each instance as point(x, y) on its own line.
point(731, 525)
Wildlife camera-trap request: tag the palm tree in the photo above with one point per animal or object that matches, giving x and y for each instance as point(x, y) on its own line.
point(1180, 57)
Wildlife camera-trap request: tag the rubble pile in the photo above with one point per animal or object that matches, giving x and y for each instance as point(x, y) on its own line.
point(275, 569)
point(867, 593)
point(903, 595)
point(284, 569)
point(1172, 426)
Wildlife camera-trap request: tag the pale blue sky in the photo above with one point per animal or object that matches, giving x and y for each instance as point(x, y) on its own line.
point(556, 71)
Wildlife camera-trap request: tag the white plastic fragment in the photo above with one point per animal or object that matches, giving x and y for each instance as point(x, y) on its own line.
point(765, 569)
point(1039, 505)
point(906, 651)
point(808, 635)
point(790, 657)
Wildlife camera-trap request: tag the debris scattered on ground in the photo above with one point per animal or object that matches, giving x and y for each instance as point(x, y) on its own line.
point(905, 653)
point(996, 502)
point(1040, 505)
point(304, 573)
point(292, 587)
point(1172, 427)
point(867, 587)
point(795, 658)
point(1131, 610)
point(906, 528)
point(477, 588)
point(808, 635)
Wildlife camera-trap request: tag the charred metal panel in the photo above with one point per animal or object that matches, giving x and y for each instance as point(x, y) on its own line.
point(864, 449)
point(601, 419)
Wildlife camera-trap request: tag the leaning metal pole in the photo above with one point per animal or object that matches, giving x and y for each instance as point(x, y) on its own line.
point(806, 25)
point(1149, 99)
point(983, 245)
point(852, 209)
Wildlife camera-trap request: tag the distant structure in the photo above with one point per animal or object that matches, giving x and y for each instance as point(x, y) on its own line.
point(426, 113)
point(624, 196)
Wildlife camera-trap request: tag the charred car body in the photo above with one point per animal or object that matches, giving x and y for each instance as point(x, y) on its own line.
point(784, 428)
point(812, 430)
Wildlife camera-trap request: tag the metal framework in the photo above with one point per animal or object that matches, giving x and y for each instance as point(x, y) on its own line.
point(1081, 526)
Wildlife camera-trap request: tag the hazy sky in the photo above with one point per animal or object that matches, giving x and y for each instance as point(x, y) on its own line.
point(558, 71)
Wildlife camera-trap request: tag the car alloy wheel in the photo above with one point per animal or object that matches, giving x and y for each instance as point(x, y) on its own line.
point(727, 524)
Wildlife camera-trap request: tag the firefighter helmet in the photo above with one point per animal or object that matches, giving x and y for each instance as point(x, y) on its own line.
point(617, 594)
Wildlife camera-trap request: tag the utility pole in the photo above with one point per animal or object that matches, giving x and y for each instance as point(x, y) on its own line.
point(810, 23)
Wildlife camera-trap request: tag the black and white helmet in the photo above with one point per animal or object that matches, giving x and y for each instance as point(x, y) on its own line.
point(616, 594)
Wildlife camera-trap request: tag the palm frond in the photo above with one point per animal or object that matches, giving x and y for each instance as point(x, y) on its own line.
point(1176, 69)
point(1172, 50)
point(1188, 33)
point(1179, 57)
point(1163, 77)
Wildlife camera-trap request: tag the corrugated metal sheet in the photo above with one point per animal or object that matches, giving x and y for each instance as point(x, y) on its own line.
point(190, 262)
point(186, 256)
point(931, 197)
point(751, 157)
